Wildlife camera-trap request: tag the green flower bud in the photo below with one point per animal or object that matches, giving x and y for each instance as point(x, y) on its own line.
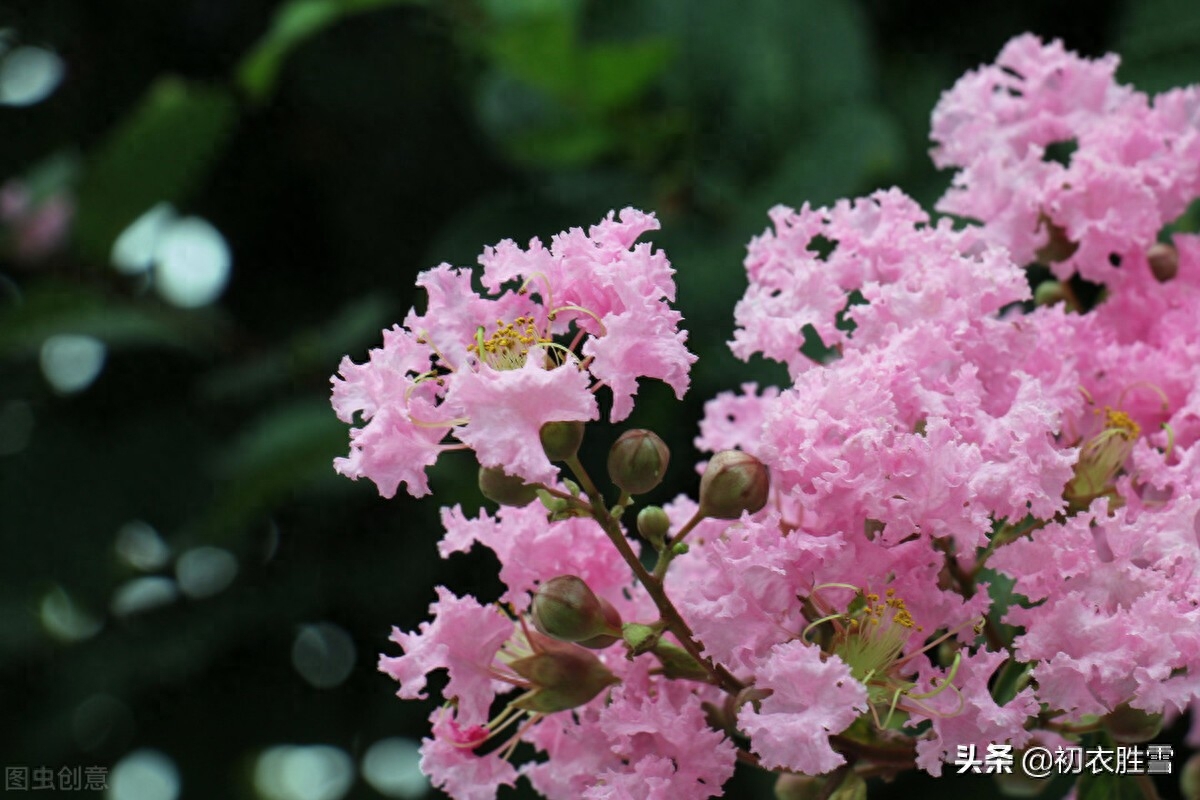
point(1164, 261)
point(791, 786)
point(732, 483)
point(566, 609)
point(1129, 725)
point(562, 676)
point(639, 638)
point(1189, 778)
point(561, 440)
point(1048, 293)
point(507, 490)
point(638, 460)
point(1019, 783)
point(653, 524)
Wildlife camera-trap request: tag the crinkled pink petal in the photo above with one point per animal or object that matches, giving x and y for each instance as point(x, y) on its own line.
point(506, 410)
point(966, 714)
point(532, 549)
point(459, 771)
point(463, 639)
point(810, 699)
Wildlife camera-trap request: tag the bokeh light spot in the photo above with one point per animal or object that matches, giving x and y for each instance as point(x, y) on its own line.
point(303, 772)
point(64, 620)
point(144, 775)
point(143, 594)
point(205, 571)
point(323, 654)
point(70, 362)
point(139, 545)
point(192, 263)
point(393, 768)
point(28, 75)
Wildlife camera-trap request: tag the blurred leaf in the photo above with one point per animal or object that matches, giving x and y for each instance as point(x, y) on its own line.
point(285, 450)
point(538, 48)
point(314, 350)
point(841, 157)
point(158, 153)
point(295, 23)
point(1158, 44)
point(615, 75)
point(755, 76)
point(53, 308)
point(1107, 786)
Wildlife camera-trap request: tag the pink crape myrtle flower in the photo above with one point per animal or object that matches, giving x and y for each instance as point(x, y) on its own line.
point(1135, 164)
point(486, 371)
point(950, 451)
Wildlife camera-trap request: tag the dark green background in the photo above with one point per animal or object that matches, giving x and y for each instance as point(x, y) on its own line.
point(341, 147)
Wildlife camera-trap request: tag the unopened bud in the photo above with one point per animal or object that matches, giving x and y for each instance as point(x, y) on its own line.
point(638, 460)
point(561, 676)
point(732, 483)
point(1018, 782)
point(639, 638)
point(561, 440)
point(1189, 778)
point(653, 524)
point(790, 786)
point(1048, 293)
point(1164, 261)
point(1129, 725)
point(566, 609)
point(507, 490)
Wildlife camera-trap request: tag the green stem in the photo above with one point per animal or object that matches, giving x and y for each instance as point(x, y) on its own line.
point(654, 587)
point(667, 554)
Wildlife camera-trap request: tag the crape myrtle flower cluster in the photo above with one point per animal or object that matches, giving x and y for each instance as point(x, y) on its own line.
point(971, 518)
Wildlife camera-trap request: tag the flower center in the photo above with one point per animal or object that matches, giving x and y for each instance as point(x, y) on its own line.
point(509, 344)
point(1101, 458)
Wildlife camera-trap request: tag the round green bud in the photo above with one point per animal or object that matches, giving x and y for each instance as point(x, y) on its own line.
point(507, 490)
point(1129, 725)
point(638, 460)
point(1164, 261)
point(561, 440)
point(733, 482)
point(790, 786)
point(653, 524)
point(565, 608)
point(1048, 293)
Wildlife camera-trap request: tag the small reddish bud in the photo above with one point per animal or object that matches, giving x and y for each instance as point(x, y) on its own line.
point(638, 460)
point(565, 608)
point(732, 483)
point(1164, 261)
point(561, 440)
point(507, 490)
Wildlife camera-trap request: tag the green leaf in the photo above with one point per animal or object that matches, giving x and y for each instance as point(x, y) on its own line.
point(1158, 44)
point(53, 308)
point(1107, 786)
point(289, 448)
point(840, 156)
point(614, 75)
point(294, 23)
point(160, 152)
point(316, 349)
